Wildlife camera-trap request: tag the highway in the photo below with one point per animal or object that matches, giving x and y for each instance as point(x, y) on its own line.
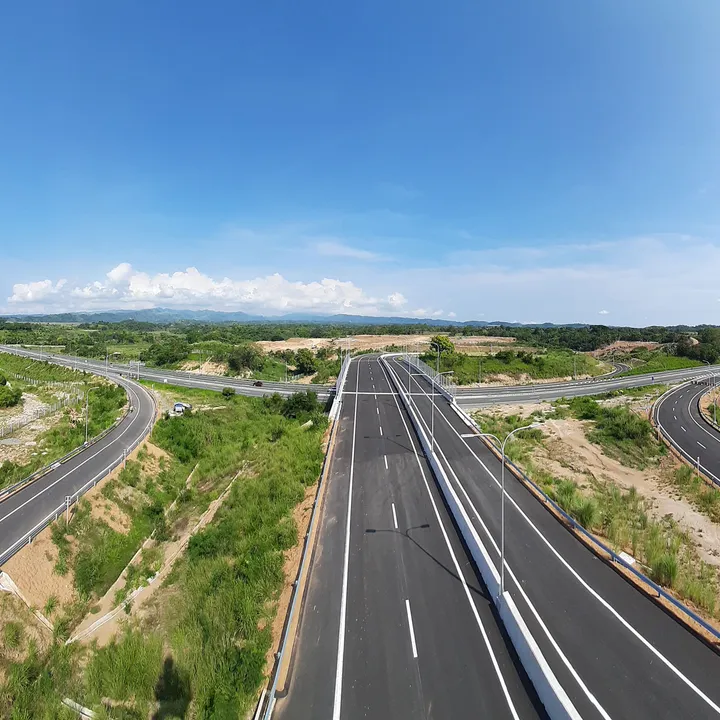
point(465, 396)
point(616, 653)
point(24, 509)
point(678, 414)
point(479, 397)
point(176, 377)
point(395, 623)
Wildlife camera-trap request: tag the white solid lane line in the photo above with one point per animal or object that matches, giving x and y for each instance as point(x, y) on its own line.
point(412, 629)
point(456, 564)
point(394, 516)
point(77, 467)
point(343, 600)
point(564, 659)
point(585, 585)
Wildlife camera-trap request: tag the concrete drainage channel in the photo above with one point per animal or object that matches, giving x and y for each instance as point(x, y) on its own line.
point(552, 695)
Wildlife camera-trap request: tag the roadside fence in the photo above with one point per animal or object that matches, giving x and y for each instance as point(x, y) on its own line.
point(8, 428)
point(70, 500)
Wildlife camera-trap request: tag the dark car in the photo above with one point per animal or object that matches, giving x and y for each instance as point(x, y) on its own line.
point(257, 383)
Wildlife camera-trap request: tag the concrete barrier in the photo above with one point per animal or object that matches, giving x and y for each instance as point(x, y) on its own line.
point(551, 694)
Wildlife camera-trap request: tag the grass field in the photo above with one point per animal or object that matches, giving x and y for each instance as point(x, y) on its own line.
point(203, 654)
point(662, 362)
point(468, 369)
point(623, 516)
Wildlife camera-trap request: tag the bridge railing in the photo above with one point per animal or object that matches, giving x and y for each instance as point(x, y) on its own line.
point(442, 382)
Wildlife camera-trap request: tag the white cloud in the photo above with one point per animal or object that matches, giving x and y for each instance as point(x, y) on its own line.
point(452, 315)
point(603, 312)
point(125, 287)
point(35, 292)
point(336, 249)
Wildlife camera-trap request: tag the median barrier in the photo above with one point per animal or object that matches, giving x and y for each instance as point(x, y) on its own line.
point(551, 694)
point(667, 602)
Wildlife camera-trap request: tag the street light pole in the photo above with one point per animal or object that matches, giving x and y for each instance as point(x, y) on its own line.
point(87, 411)
point(502, 489)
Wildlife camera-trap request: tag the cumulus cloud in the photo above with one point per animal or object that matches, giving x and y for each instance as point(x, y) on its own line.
point(123, 286)
point(603, 312)
point(35, 292)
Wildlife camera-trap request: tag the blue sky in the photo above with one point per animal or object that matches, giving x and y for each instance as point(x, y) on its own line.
point(554, 161)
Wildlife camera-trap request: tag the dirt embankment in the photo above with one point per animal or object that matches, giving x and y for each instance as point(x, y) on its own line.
point(33, 568)
point(624, 346)
point(205, 368)
point(568, 454)
point(417, 343)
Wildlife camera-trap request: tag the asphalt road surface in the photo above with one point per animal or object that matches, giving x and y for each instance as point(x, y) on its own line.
point(394, 623)
point(24, 509)
point(679, 416)
point(479, 397)
point(175, 377)
point(616, 653)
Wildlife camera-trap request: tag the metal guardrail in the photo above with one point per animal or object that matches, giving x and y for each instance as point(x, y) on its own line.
point(37, 474)
point(270, 698)
point(615, 557)
point(439, 379)
point(28, 537)
point(669, 438)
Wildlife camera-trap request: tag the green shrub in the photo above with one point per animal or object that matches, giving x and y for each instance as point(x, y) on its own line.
point(664, 569)
point(585, 511)
point(228, 392)
point(126, 670)
point(9, 396)
point(13, 634)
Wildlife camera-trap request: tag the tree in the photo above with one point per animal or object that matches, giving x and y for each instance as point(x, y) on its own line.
point(9, 396)
point(442, 344)
point(246, 357)
point(305, 362)
point(3, 380)
point(167, 350)
point(301, 405)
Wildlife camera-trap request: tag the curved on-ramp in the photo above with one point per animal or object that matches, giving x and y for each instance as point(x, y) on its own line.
point(24, 513)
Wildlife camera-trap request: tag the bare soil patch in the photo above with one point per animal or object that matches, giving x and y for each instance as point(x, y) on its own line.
point(624, 346)
point(419, 343)
point(567, 453)
point(13, 610)
point(141, 606)
point(32, 570)
point(206, 368)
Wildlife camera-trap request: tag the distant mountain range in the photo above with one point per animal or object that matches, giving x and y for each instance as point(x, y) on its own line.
point(167, 315)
